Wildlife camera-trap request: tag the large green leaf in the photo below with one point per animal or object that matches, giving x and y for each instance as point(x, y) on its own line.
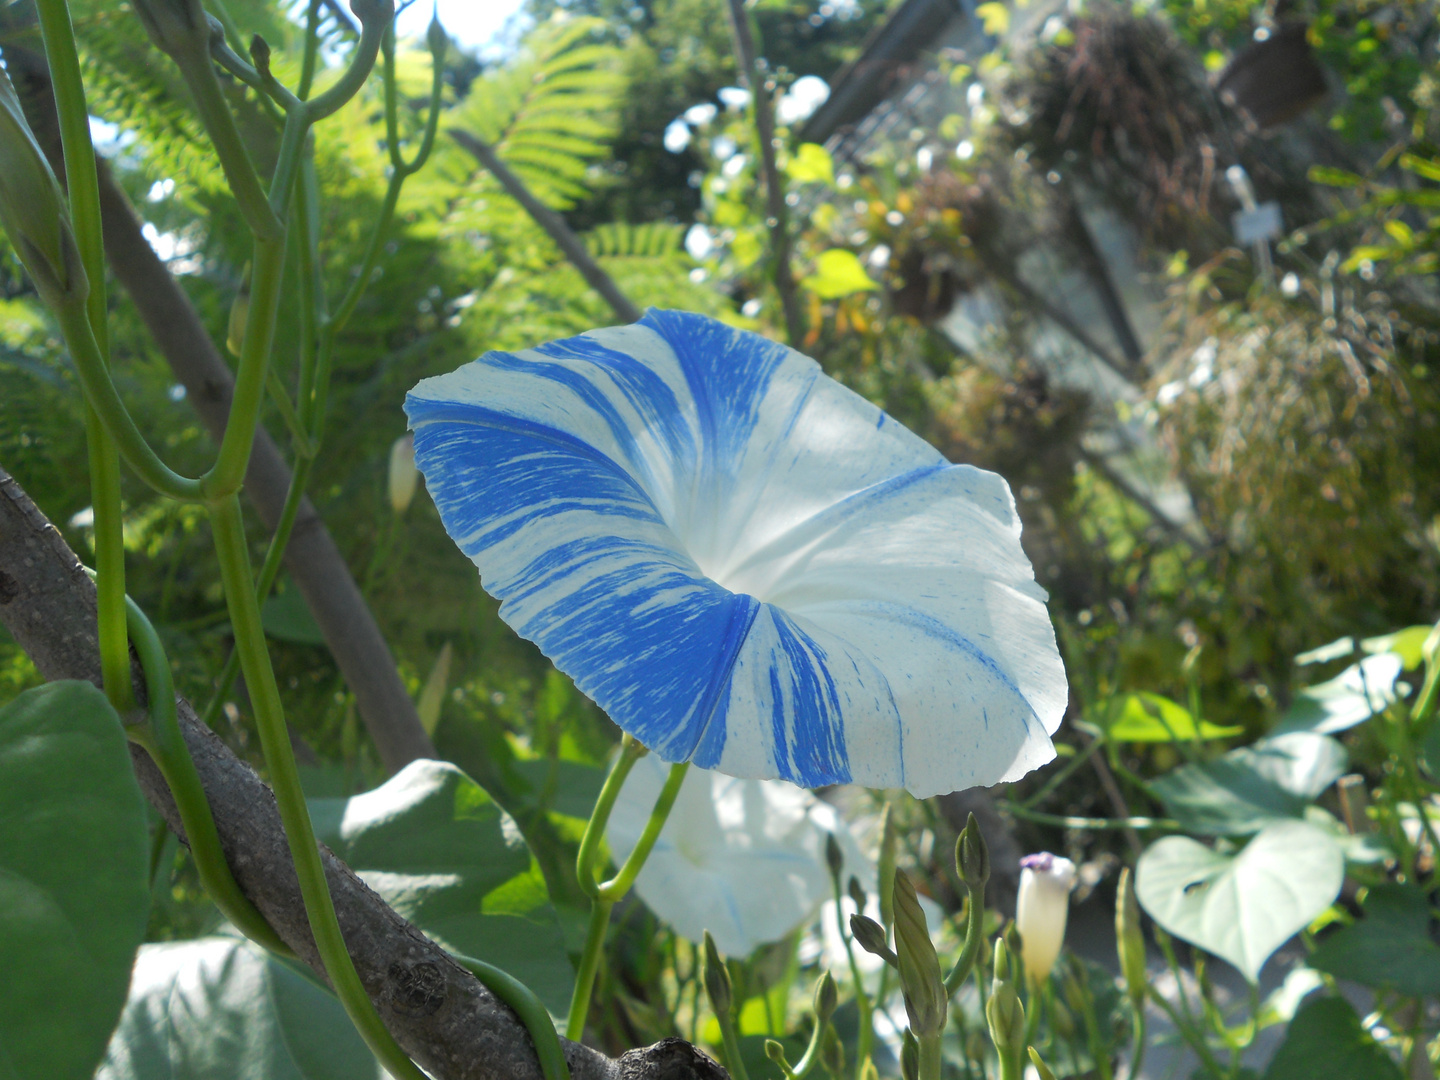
point(1391, 948)
point(441, 852)
point(1241, 907)
point(1146, 717)
point(1352, 697)
point(286, 618)
point(838, 273)
point(1325, 1041)
point(220, 1008)
point(73, 888)
point(1250, 787)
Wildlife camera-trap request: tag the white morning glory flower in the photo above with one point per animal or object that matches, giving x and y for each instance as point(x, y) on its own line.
point(744, 859)
point(1041, 909)
point(745, 564)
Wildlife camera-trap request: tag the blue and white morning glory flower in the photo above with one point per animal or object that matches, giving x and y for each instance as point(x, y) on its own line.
point(745, 564)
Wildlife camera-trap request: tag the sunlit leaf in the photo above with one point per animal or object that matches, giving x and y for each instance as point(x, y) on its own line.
point(811, 165)
point(1408, 644)
point(74, 889)
point(1352, 697)
point(220, 1008)
point(838, 273)
point(1241, 907)
point(1146, 717)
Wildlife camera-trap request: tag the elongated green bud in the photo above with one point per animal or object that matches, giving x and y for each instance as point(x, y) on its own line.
point(1040, 1066)
point(857, 893)
point(834, 857)
point(827, 997)
point(436, 38)
point(1130, 939)
point(716, 978)
point(972, 857)
point(920, 978)
point(1001, 969)
point(776, 1053)
point(885, 868)
point(870, 936)
point(910, 1057)
point(33, 208)
point(832, 1052)
point(1006, 1018)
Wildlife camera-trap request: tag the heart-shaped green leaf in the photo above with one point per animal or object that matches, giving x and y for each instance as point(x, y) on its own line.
point(1241, 907)
point(441, 852)
point(1250, 787)
point(1146, 717)
point(1326, 1041)
point(1352, 697)
point(220, 1008)
point(73, 888)
point(1391, 948)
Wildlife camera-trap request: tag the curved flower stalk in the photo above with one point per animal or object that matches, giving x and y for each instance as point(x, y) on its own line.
point(745, 564)
point(744, 859)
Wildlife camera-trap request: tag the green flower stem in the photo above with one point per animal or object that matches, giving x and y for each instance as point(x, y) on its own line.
point(865, 1041)
point(730, 1040)
point(1137, 1055)
point(102, 396)
point(84, 196)
point(631, 751)
point(1065, 821)
point(603, 895)
point(808, 1060)
point(166, 745)
point(312, 50)
point(234, 559)
point(269, 571)
point(589, 965)
point(228, 472)
point(974, 938)
point(930, 1060)
point(528, 1008)
point(372, 32)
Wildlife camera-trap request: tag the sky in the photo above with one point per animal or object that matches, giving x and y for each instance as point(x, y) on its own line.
point(471, 23)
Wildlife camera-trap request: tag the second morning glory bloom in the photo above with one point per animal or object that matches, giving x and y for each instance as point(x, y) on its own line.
point(744, 563)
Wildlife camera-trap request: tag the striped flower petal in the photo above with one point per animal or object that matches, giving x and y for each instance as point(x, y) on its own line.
point(744, 563)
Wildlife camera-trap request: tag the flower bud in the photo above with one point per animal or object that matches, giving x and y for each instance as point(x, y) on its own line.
point(716, 978)
point(834, 857)
point(827, 997)
point(870, 936)
point(1061, 1019)
point(1130, 939)
point(1040, 1066)
point(260, 53)
point(857, 893)
point(1006, 1018)
point(920, 978)
point(1001, 969)
point(910, 1056)
point(776, 1053)
point(1041, 910)
point(403, 474)
point(832, 1052)
point(33, 208)
point(436, 38)
point(885, 868)
point(972, 857)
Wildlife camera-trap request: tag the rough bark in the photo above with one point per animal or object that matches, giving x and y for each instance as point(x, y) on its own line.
point(315, 563)
point(450, 1024)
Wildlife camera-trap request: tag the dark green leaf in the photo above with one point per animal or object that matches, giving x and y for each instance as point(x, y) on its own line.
point(441, 852)
point(563, 787)
point(73, 887)
point(222, 1009)
point(286, 618)
point(1246, 789)
point(1392, 947)
point(1326, 1042)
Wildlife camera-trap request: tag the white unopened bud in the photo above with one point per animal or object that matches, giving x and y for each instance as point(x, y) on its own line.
point(403, 474)
point(1041, 910)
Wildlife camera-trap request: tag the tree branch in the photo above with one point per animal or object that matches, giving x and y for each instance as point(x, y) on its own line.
point(315, 563)
point(447, 1021)
point(568, 243)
